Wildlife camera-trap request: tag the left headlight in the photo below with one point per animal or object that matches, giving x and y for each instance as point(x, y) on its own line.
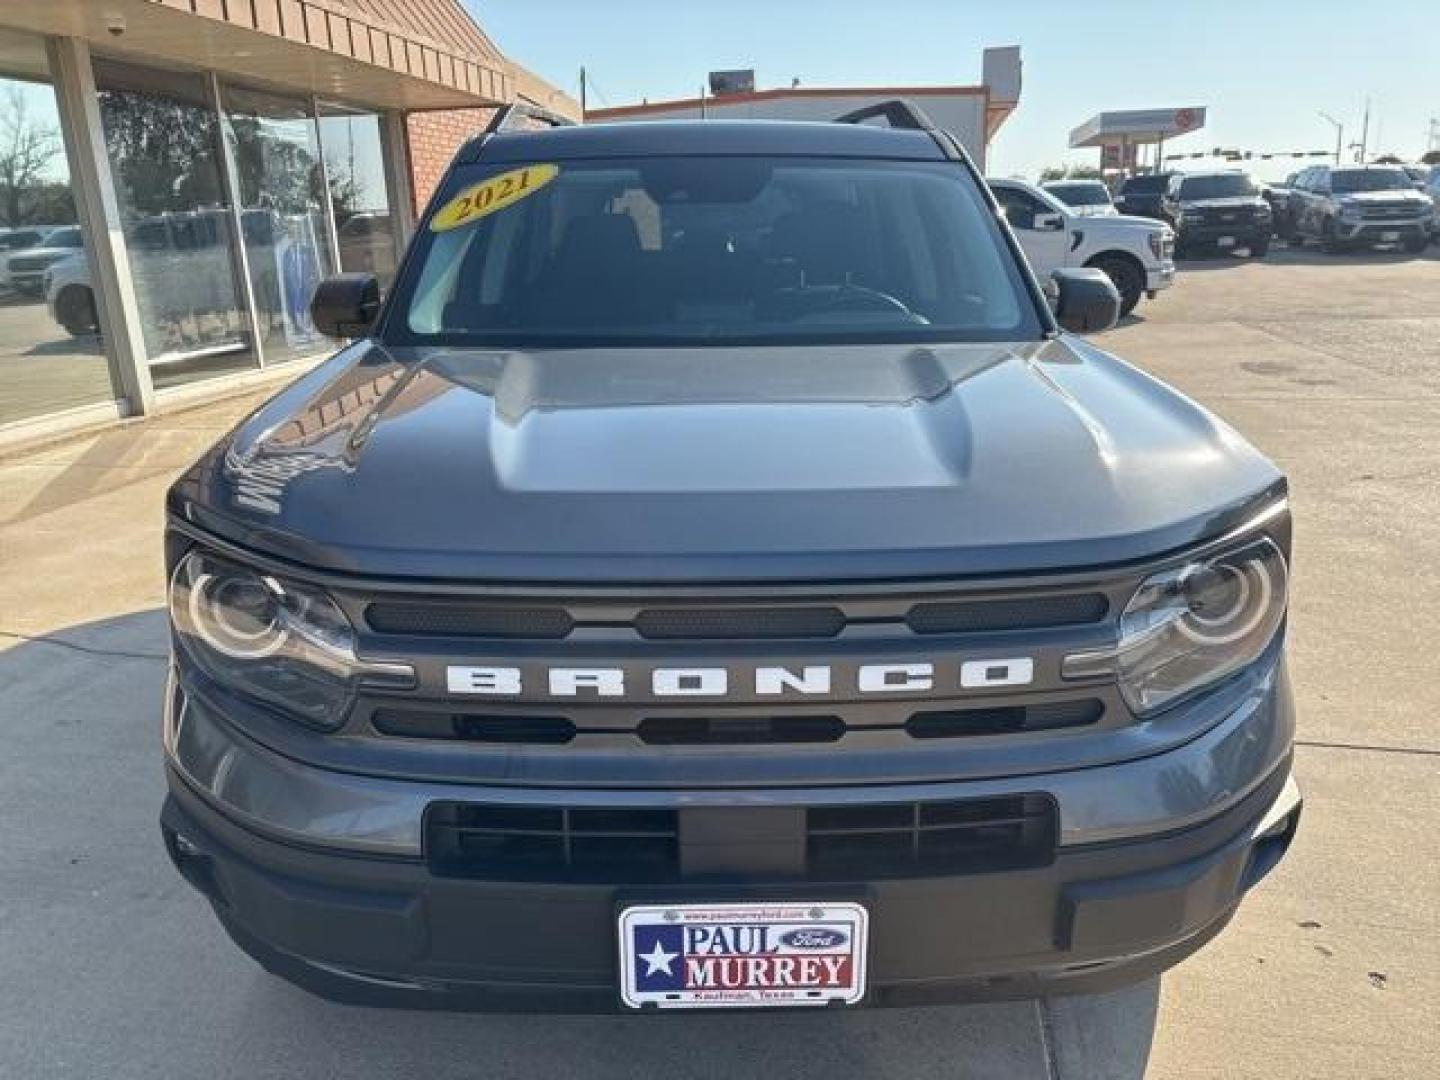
point(279, 641)
point(1190, 626)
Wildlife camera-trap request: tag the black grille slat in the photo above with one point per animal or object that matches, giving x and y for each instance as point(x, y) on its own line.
point(442, 619)
point(739, 730)
point(1010, 613)
point(470, 727)
point(724, 624)
point(1004, 719)
point(624, 845)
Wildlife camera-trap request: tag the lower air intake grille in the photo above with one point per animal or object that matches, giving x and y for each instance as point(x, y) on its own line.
point(625, 845)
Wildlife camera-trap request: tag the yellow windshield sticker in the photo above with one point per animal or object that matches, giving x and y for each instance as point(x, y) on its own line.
point(488, 196)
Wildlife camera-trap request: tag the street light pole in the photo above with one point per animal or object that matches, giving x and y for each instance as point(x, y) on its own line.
point(1339, 134)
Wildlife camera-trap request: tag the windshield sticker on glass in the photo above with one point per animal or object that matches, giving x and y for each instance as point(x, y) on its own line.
point(485, 198)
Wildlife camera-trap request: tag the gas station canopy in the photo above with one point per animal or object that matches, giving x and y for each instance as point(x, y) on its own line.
point(1137, 126)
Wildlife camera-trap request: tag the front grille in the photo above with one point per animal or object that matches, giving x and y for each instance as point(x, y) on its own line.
point(626, 845)
point(440, 617)
point(1398, 212)
point(710, 729)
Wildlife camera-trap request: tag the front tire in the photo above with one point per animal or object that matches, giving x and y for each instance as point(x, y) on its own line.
point(75, 311)
point(1260, 248)
point(1416, 244)
point(1329, 241)
point(1127, 277)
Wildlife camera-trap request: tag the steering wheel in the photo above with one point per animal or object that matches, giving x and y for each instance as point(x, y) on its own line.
point(849, 297)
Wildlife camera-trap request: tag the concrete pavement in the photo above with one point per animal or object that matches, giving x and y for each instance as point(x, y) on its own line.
point(1331, 365)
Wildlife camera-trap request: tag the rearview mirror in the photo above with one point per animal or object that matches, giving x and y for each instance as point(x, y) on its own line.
point(345, 306)
point(1048, 223)
point(1086, 300)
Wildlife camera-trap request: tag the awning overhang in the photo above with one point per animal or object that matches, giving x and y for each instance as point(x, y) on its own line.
point(1138, 126)
point(297, 46)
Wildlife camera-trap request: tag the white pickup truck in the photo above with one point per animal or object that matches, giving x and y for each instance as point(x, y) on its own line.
point(1136, 253)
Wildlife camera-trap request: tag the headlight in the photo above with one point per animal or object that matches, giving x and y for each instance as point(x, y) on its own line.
point(284, 643)
point(1349, 210)
point(1190, 626)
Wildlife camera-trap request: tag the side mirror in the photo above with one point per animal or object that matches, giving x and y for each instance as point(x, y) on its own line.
point(345, 306)
point(1086, 300)
point(1048, 223)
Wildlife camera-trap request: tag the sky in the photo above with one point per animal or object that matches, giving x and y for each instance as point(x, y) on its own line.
point(1262, 68)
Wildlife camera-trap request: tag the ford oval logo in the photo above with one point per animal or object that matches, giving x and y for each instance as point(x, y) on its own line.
point(814, 937)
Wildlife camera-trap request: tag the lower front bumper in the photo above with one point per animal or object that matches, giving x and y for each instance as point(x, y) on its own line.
point(385, 931)
point(1373, 232)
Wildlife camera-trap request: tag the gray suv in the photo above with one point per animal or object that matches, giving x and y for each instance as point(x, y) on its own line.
point(1345, 207)
point(716, 576)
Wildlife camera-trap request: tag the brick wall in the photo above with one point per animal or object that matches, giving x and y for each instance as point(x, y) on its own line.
point(434, 137)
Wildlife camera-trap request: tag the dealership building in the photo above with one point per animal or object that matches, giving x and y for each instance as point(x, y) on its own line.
point(175, 175)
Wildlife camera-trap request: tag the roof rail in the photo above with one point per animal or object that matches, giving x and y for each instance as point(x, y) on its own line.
point(508, 117)
point(900, 113)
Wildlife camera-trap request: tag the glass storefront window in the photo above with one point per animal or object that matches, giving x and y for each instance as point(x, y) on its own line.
point(282, 198)
point(163, 139)
point(359, 195)
point(51, 357)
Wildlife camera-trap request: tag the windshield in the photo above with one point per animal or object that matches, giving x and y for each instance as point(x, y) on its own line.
point(1091, 193)
point(1224, 186)
point(709, 250)
point(1145, 185)
point(1343, 181)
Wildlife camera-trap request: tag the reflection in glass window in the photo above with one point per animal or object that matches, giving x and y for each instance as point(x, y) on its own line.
point(355, 162)
point(282, 193)
point(164, 145)
point(51, 357)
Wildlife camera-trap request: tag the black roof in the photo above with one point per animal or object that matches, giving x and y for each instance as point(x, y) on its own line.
point(646, 138)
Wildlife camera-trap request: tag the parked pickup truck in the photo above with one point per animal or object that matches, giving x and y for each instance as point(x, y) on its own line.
point(1137, 254)
point(1221, 210)
point(716, 576)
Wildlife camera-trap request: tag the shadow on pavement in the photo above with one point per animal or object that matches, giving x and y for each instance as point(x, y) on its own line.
point(127, 973)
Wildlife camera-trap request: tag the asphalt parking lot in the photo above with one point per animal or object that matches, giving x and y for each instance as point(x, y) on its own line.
point(112, 966)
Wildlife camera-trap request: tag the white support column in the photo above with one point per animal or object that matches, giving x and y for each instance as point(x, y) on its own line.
point(241, 257)
point(332, 232)
point(395, 150)
point(98, 209)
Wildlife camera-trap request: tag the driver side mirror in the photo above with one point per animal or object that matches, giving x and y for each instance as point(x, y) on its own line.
point(345, 306)
point(1048, 223)
point(1086, 300)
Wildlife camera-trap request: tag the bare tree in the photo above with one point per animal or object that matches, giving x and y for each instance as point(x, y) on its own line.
point(27, 147)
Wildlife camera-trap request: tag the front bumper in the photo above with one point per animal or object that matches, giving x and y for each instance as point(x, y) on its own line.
point(1159, 277)
point(1371, 232)
point(1243, 232)
point(321, 876)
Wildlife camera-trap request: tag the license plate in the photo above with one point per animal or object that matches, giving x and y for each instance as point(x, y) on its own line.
point(1389, 237)
point(715, 956)
point(1225, 241)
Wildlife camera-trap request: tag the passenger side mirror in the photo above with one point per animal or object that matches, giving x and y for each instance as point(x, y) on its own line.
point(1086, 300)
point(345, 306)
point(1048, 223)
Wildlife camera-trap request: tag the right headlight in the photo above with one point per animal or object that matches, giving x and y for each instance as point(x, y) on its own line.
point(282, 642)
point(1192, 625)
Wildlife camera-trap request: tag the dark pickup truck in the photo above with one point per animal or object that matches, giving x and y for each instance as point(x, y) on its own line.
point(1218, 210)
point(714, 576)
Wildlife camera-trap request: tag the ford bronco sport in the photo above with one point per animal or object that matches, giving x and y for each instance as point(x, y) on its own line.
point(714, 577)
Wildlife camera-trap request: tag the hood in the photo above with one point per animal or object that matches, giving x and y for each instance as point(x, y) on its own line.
point(724, 464)
point(1234, 202)
point(1128, 221)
